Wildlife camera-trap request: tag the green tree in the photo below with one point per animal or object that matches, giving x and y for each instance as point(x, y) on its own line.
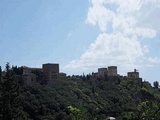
point(156, 84)
point(147, 110)
point(0, 73)
point(10, 97)
point(78, 113)
point(84, 77)
point(17, 70)
point(1, 103)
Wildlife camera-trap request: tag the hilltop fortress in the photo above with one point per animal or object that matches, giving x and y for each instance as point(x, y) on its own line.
point(111, 71)
point(47, 74)
point(50, 73)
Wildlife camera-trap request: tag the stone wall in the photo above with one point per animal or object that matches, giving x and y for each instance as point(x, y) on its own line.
point(50, 68)
point(133, 74)
point(51, 72)
point(102, 72)
point(29, 78)
point(112, 71)
point(27, 70)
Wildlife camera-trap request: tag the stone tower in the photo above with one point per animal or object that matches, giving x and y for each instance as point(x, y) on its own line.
point(51, 72)
point(50, 68)
point(134, 74)
point(112, 70)
point(102, 72)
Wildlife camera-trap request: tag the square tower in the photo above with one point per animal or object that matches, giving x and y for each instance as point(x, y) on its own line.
point(50, 72)
point(51, 68)
point(112, 70)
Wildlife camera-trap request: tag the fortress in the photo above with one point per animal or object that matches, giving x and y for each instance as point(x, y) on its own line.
point(110, 71)
point(50, 73)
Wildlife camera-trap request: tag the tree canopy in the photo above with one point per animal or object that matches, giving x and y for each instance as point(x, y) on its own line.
point(80, 99)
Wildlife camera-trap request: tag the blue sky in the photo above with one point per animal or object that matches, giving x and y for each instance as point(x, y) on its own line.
point(37, 31)
point(82, 35)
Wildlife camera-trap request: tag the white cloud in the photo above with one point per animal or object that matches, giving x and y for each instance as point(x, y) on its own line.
point(154, 60)
point(110, 49)
point(126, 17)
point(98, 14)
point(130, 20)
point(145, 49)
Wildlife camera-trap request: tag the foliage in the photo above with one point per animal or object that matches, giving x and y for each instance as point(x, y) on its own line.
point(17, 70)
point(86, 98)
point(10, 97)
point(146, 110)
point(108, 99)
point(78, 113)
point(156, 84)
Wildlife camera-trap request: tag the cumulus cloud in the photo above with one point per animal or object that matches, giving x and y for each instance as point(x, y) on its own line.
point(125, 18)
point(128, 21)
point(110, 49)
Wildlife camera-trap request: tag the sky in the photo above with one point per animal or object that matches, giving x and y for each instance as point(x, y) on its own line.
point(82, 35)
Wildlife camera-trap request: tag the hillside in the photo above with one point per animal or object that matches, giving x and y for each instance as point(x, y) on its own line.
point(85, 98)
point(100, 99)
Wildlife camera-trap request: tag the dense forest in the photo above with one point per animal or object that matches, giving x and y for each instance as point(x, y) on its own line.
point(78, 99)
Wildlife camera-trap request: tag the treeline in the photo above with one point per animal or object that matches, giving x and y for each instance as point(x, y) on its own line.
point(83, 99)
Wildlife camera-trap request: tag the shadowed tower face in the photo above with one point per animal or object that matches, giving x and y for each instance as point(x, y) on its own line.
point(102, 72)
point(51, 72)
point(50, 68)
